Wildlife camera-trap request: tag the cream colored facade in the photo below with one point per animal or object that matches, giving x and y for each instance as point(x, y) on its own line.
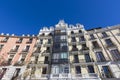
point(69, 52)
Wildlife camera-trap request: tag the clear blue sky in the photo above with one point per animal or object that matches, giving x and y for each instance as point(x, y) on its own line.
point(28, 16)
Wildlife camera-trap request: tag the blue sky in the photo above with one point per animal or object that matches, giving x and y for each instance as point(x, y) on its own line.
point(28, 16)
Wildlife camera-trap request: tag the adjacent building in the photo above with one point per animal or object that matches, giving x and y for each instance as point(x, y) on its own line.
point(62, 52)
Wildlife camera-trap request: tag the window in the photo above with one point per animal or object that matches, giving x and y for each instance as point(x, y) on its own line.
point(108, 42)
point(49, 41)
point(107, 72)
point(72, 32)
point(57, 38)
point(64, 69)
point(80, 31)
point(16, 48)
point(78, 69)
point(90, 69)
point(57, 46)
point(73, 39)
point(95, 44)
point(56, 56)
point(30, 40)
point(44, 70)
point(104, 34)
point(20, 40)
point(82, 38)
point(63, 38)
point(87, 58)
point(26, 48)
point(92, 36)
point(1, 46)
point(55, 69)
point(63, 30)
point(46, 60)
point(100, 57)
point(63, 55)
point(115, 54)
point(43, 34)
point(5, 39)
point(41, 41)
point(76, 59)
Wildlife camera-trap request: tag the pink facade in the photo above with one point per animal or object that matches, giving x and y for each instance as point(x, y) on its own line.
point(14, 48)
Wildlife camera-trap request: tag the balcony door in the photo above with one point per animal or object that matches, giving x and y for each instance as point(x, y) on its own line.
point(87, 58)
point(76, 59)
point(100, 56)
point(107, 72)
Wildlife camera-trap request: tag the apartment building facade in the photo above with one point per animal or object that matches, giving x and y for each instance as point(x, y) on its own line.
point(65, 52)
point(15, 53)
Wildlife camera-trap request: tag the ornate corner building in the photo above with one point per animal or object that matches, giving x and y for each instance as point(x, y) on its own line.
point(62, 52)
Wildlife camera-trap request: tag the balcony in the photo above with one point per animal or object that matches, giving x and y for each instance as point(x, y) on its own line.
point(60, 33)
point(36, 52)
point(85, 49)
point(4, 40)
point(82, 41)
point(25, 51)
point(19, 41)
point(63, 49)
point(59, 76)
point(82, 61)
point(5, 63)
point(105, 36)
point(112, 45)
point(23, 56)
point(45, 36)
point(43, 63)
point(46, 53)
point(92, 38)
point(13, 51)
point(59, 61)
point(47, 44)
point(97, 48)
point(89, 76)
point(73, 43)
point(74, 51)
point(60, 40)
point(19, 63)
point(29, 42)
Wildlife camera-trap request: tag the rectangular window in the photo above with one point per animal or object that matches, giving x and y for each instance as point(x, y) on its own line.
point(63, 38)
point(44, 70)
point(1, 46)
point(41, 41)
point(95, 44)
point(92, 36)
point(107, 72)
point(49, 41)
point(82, 38)
point(56, 56)
point(90, 69)
point(73, 39)
point(76, 59)
point(64, 55)
point(19, 41)
point(104, 34)
point(55, 69)
point(100, 57)
point(115, 54)
point(46, 60)
point(16, 48)
point(5, 39)
point(109, 42)
point(78, 69)
point(87, 58)
point(64, 69)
